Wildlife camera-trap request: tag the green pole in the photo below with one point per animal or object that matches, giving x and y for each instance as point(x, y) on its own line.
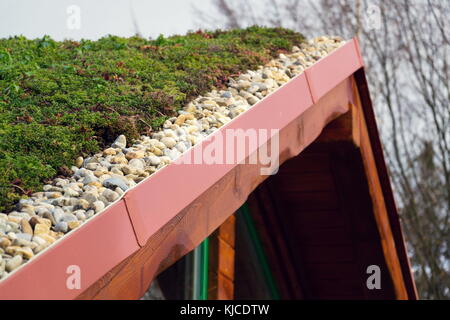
point(201, 261)
point(205, 264)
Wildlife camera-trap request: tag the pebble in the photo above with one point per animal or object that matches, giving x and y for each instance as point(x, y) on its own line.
point(109, 152)
point(3, 227)
point(120, 142)
point(114, 182)
point(13, 263)
point(135, 155)
point(137, 164)
point(47, 238)
point(24, 236)
point(26, 227)
point(157, 151)
point(39, 248)
point(53, 195)
point(69, 192)
point(168, 142)
point(61, 226)
point(80, 214)
point(38, 240)
point(98, 206)
point(83, 204)
point(57, 214)
point(22, 243)
point(11, 250)
point(154, 160)
point(92, 166)
point(172, 153)
point(119, 159)
point(180, 120)
point(99, 173)
point(67, 217)
point(226, 94)
point(244, 84)
point(79, 162)
point(49, 217)
point(27, 209)
point(41, 229)
point(127, 170)
point(252, 100)
point(89, 179)
point(181, 147)
point(5, 242)
point(74, 224)
point(25, 252)
point(110, 195)
point(90, 197)
point(90, 214)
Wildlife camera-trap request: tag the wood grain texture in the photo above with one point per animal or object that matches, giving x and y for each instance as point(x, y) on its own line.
point(364, 101)
point(378, 201)
point(221, 261)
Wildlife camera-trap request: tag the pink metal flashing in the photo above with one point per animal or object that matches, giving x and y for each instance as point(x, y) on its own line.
point(175, 186)
point(84, 255)
point(325, 75)
point(113, 235)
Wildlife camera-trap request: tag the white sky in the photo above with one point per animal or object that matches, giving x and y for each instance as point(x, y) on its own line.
point(36, 18)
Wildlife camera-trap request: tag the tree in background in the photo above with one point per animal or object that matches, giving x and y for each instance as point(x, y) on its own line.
point(406, 49)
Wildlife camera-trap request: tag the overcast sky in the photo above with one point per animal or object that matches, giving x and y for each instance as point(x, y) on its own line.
point(91, 19)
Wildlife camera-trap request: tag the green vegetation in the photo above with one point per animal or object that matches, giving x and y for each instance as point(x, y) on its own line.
point(59, 100)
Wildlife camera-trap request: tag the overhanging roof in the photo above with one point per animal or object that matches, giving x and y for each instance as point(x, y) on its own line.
point(120, 250)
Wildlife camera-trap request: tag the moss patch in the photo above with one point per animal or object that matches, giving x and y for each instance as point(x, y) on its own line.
point(60, 100)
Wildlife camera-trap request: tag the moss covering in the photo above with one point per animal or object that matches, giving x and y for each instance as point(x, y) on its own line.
point(60, 100)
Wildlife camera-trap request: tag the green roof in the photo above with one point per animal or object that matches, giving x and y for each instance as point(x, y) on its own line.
point(60, 100)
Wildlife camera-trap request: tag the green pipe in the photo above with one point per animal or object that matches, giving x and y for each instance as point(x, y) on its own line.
point(262, 259)
point(200, 280)
point(205, 264)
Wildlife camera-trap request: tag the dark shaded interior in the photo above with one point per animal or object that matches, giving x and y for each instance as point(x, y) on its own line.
point(316, 221)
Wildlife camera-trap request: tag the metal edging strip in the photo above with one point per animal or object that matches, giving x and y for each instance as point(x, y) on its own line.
point(135, 213)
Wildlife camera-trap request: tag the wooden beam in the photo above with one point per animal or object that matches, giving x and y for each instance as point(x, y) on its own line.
point(378, 200)
point(352, 128)
point(383, 185)
point(221, 261)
